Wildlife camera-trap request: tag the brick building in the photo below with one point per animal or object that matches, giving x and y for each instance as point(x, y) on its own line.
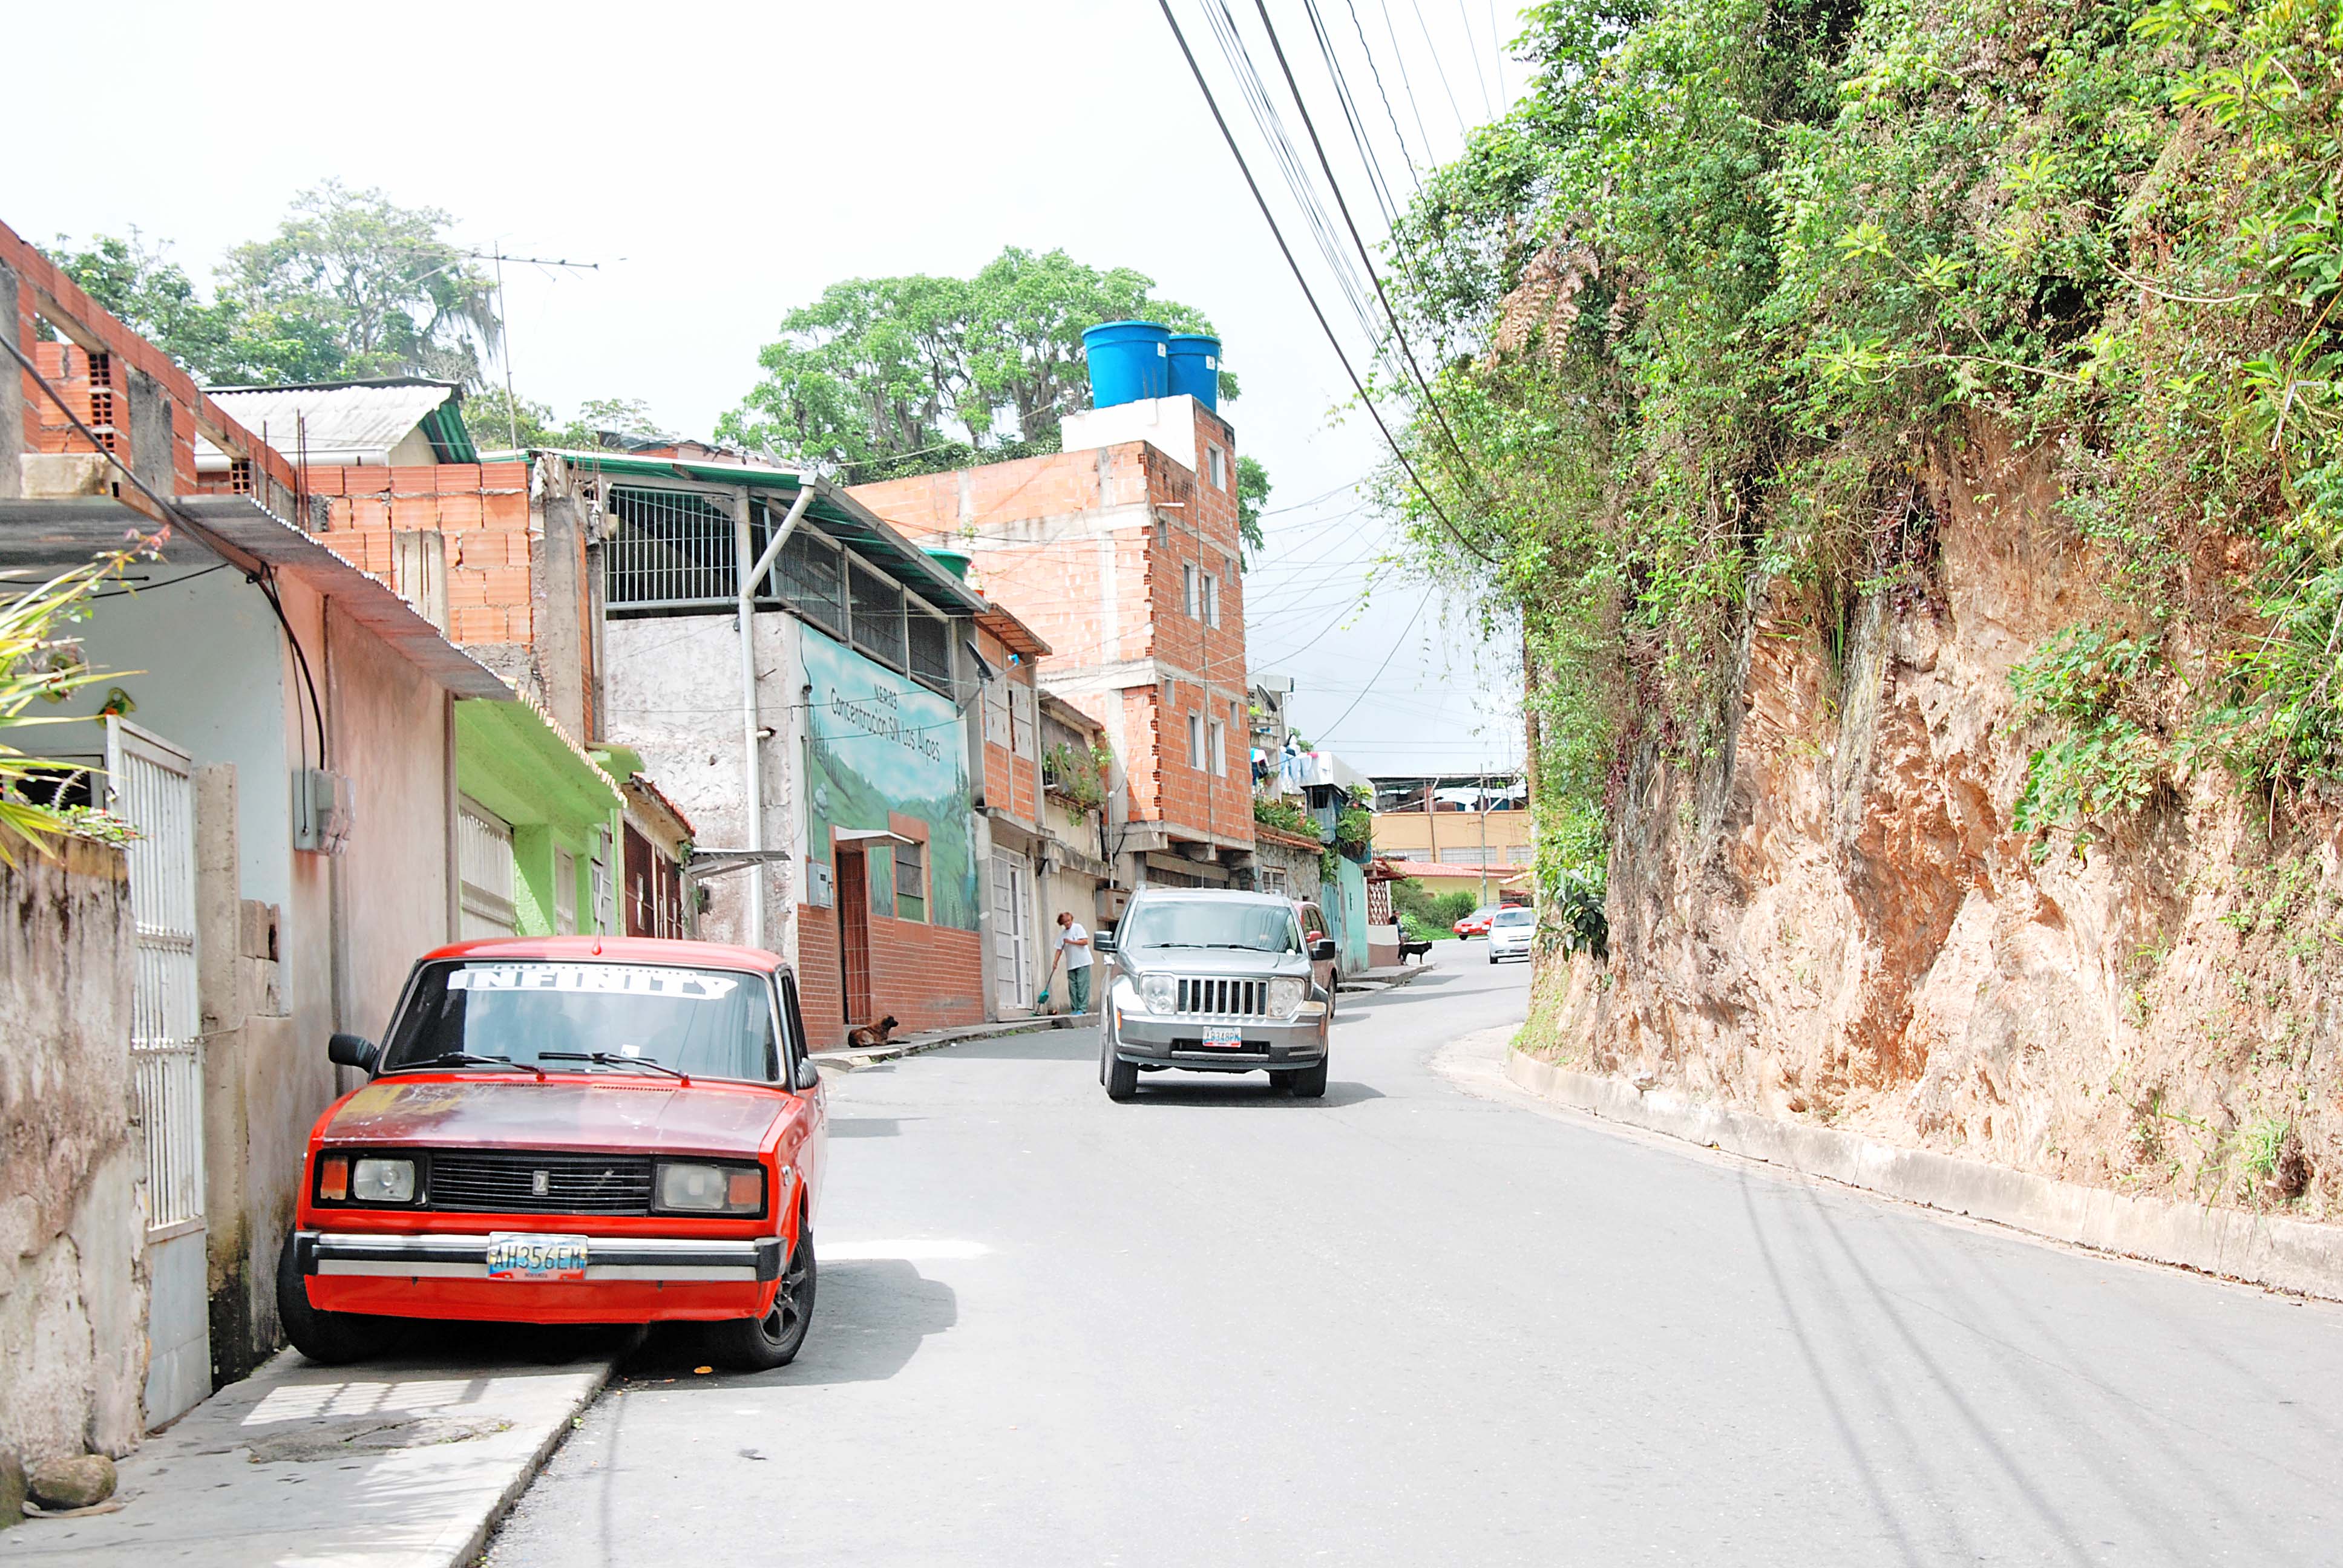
point(1121, 552)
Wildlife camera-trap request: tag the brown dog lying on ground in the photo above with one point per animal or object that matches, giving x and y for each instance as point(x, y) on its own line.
point(870, 1036)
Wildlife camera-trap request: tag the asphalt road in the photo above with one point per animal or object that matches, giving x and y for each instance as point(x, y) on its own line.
point(1410, 1324)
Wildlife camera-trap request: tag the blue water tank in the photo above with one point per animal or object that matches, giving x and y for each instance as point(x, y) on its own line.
point(1129, 361)
point(1196, 367)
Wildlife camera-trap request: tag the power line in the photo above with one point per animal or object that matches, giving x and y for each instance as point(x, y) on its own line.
point(1323, 325)
point(1399, 57)
point(1406, 351)
point(1432, 49)
point(1376, 180)
point(1472, 49)
point(1324, 730)
point(1288, 160)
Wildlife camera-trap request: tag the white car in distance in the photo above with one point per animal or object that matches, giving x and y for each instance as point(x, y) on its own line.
point(1510, 931)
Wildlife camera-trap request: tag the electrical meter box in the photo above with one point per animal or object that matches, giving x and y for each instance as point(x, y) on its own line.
point(323, 807)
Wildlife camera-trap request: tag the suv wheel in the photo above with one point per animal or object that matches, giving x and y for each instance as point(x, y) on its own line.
point(1310, 1083)
point(1122, 1078)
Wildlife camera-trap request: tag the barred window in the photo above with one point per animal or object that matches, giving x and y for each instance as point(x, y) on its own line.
point(931, 639)
point(670, 548)
point(911, 881)
point(813, 580)
point(878, 615)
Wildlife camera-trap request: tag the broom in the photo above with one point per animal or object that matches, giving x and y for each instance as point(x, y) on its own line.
point(1043, 1000)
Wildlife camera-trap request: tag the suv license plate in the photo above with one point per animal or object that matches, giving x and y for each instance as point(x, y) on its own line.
point(1224, 1036)
point(527, 1255)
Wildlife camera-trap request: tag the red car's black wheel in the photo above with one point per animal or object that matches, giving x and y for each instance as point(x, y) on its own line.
point(761, 1344)
point(332, 1338)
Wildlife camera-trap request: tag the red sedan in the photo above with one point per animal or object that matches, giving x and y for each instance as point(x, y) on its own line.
point(1476, 924)
point(568, 1130)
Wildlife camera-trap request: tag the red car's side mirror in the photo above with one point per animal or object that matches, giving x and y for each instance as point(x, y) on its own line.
point(1317, 936)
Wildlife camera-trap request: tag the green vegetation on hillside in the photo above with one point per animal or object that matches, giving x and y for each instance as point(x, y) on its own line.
point(1729, 293)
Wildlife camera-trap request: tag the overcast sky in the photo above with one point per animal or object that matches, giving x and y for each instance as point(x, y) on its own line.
point(725, 162)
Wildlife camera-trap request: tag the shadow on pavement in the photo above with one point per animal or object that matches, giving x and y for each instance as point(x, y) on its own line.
point(1041, 1045)
point(1165, 1089)
point(870, 1318)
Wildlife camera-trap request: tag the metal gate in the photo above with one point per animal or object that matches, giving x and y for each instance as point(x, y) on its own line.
point(152, 788)
point(484, 874)
point(1013, 938)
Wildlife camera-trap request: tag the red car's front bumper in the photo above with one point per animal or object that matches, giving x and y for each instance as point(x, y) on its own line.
point(628, 1279)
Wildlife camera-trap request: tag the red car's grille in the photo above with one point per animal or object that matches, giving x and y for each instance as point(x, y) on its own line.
point(525, 1183)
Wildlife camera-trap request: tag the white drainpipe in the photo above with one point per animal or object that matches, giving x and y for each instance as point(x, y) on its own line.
point(752, 573)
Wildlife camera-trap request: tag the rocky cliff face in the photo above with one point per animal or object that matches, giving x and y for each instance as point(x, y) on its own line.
point(1832, 918)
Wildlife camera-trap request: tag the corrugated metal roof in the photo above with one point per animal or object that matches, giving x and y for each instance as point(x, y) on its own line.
point(342, 422)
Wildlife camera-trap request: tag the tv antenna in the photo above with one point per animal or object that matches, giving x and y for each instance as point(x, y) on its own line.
point(496, 253)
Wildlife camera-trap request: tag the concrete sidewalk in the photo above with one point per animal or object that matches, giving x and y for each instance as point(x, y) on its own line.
point(401, 1463)
point(1388, 978)
point(848, 1060)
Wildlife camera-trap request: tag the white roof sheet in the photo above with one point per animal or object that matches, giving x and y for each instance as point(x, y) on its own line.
point(349, 424)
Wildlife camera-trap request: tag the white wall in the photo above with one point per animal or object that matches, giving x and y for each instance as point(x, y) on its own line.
point(672, 689)
point(207, 666)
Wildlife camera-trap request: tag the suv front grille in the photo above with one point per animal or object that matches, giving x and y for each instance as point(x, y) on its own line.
point(1204, 998)
point(528, 1182)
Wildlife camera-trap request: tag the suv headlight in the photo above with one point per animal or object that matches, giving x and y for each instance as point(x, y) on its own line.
point(1159, 993)
point(1285, 996)
point(382, 1181)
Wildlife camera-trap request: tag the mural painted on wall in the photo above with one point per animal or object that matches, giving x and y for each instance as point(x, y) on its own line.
point(875, 743)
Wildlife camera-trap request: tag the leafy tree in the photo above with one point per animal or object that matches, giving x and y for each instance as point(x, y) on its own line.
point(349, 286)
point(1252, 494)
point(217, 344)
point(491, 420)
point(397, 297)
point(891, 375)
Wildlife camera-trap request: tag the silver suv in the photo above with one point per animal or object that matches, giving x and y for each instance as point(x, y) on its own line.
point(1212, 983)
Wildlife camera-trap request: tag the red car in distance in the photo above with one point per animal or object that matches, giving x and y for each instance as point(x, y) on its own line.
point(1476, 924)
point(568, 1130)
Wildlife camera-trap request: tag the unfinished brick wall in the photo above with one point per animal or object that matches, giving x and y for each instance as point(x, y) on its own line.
point(477, 582)
point(45, 293)
point(1103, 595)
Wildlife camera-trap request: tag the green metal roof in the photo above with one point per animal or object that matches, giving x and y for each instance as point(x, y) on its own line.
point(839, 515)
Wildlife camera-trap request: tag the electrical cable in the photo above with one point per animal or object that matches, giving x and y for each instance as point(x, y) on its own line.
point(1399, 56)
point(166, 582)
point(1376, 181)
point(1288, 159)
point(170, 511)
point(1432, 49)
point(1407, 351)
point(1326, 729)
point(1472, 48)
point(1323, 325)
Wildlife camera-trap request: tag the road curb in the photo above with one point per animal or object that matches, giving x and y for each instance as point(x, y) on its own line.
point(531, 1468)
point(936, 1039)
point(2283, 1254)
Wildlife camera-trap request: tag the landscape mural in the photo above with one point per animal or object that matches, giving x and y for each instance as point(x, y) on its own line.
point(877, 742)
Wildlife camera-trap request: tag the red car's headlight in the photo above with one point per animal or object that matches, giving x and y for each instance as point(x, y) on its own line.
point(694, 1187)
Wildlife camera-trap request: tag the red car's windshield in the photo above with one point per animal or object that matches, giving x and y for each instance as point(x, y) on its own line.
point(563, 1016)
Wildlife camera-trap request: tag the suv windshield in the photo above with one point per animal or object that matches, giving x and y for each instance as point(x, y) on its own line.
point(1515, 918)
point(1210, 923)
point(533, 1012)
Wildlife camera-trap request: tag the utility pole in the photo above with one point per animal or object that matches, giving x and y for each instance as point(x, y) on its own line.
point(1484, 803)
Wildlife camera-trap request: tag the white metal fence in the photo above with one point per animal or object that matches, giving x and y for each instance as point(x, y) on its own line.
point(484, 870)
point(153, 790)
